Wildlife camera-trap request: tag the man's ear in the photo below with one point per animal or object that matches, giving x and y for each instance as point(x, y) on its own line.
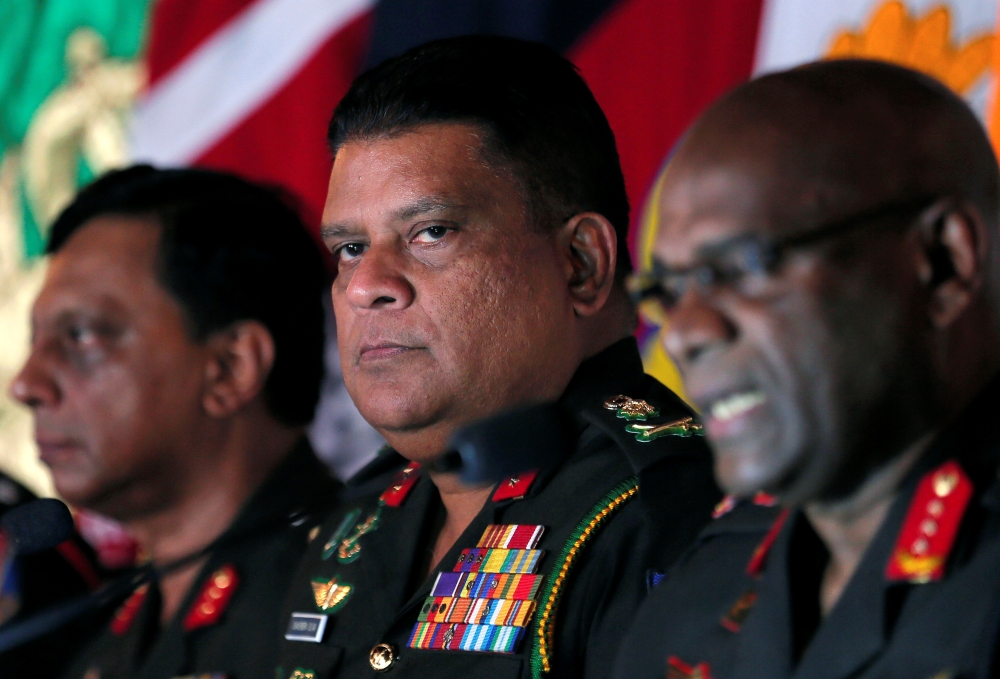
point(955, 249)
point(240, 359)
point(590, 245)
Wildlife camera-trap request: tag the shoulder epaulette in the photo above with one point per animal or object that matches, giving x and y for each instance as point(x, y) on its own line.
point(127, 612)
point(931, 524)
point(636, 412)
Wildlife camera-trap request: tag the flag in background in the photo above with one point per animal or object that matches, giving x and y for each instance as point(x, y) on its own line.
point(952, 41)
point(67, 75)
point(249, 85)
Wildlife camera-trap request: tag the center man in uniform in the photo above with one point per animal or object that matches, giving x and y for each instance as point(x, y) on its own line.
point(478, 218)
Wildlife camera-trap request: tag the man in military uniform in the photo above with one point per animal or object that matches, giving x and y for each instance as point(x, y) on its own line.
point(477, 216)
point(830, 272)
point(176, 358)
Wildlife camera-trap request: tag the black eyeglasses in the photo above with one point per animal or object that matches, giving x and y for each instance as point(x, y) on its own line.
point(744, 263)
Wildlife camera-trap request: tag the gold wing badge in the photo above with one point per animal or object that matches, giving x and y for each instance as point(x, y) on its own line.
point(331, 595)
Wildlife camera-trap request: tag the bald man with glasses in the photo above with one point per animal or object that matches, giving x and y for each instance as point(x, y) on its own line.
point(828, 267)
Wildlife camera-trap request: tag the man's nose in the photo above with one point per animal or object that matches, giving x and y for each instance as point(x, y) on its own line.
point(379, 281)
point(695, 328)
point(34, 385)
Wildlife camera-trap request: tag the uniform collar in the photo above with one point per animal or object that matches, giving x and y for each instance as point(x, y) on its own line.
point(297, 487)
point(615, 370)
point(618, 371)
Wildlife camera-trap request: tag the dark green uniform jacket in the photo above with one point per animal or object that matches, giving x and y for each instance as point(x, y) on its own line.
point(362, 602)
point(924, 602)
point(228, 623)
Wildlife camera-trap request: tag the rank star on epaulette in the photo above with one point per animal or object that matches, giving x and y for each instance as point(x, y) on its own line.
point(931, 525)
point(331, 595)
point(213, 599)
point(400, 487)
point(631, 408)
point(515, 487)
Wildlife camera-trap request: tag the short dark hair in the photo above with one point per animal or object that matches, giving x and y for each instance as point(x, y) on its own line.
point(229, 251)
point(540, 117)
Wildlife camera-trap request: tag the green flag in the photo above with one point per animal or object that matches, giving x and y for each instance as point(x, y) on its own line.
point(34, 37)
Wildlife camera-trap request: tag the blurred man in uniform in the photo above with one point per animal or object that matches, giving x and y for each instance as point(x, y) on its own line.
point(176, 359)
point(478, 216)
point(830, 271)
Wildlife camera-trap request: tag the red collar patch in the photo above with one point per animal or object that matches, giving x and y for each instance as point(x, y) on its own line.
point(213, 599)
point(401, 486)
point(678, 669)
point(515, 487)
point(728, 503)
point(763, 499)
point(930, 526)
point(759, 558)
point(127, 612)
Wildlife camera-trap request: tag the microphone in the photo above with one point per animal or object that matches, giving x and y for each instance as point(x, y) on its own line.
point(37, 525)
point(505, 445)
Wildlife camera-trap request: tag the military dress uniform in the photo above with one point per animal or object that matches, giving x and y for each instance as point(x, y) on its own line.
point(924, 602)
point(547, 576)
point(227, 624)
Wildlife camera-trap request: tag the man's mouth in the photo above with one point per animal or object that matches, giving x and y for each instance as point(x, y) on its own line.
point(52, 451)
point(734, 405)
point(382, 350)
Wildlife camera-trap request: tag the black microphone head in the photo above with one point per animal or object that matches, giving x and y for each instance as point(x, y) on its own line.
point(500, 447)
point(38, 525)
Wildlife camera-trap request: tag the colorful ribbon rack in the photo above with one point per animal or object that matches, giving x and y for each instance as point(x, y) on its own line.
point(489, 597)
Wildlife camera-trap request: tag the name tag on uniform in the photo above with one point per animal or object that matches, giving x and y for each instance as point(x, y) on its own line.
point(306, 627)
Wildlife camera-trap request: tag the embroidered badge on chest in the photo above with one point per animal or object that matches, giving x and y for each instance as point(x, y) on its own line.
point(350, 546)
point(348, 522)
point(331, 595)
point(488, 599)
point(345, 541)
point(734, 619)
